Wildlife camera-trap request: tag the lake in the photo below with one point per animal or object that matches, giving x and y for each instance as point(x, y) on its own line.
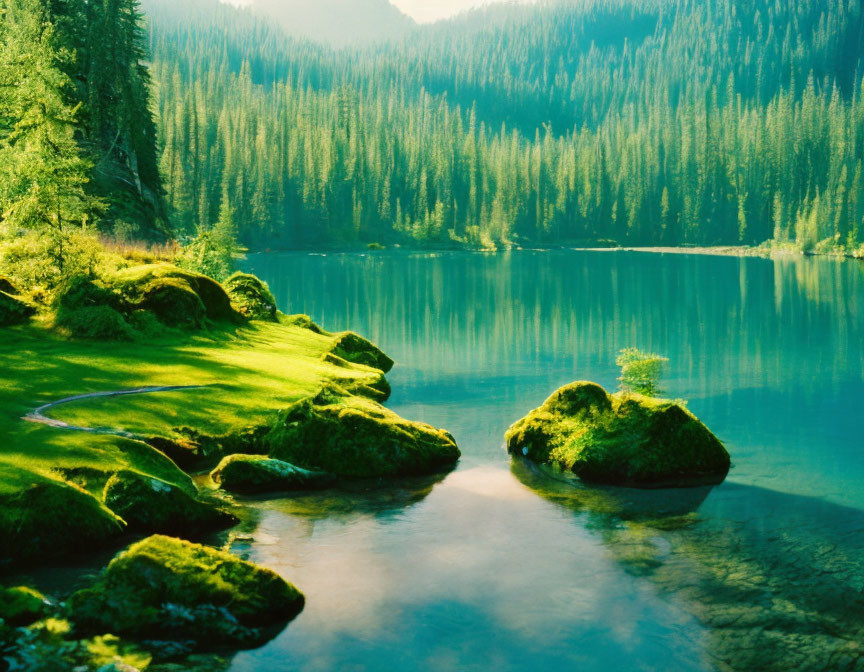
point(497, 566)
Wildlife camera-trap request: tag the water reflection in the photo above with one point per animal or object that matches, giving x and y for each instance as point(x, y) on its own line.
point(482, 574)
point(777, 579)
point(501, 567)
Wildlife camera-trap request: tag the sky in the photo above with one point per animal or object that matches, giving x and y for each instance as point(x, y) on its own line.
point(425, 11)
point(422, 11)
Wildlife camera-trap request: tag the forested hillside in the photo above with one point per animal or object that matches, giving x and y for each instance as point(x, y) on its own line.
point(78, 140)
point(649, 122)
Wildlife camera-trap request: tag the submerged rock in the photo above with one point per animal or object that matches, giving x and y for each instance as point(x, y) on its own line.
point(14, 311)
point(167, 589)
point(353, 436)
point(356, 349)
point(258, 473)
point(252, 297)
point(22, 606)
point(50, 518)
point(151, 505)
point(620, 439)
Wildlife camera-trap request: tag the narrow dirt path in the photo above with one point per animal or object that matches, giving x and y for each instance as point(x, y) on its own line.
point(38, 415)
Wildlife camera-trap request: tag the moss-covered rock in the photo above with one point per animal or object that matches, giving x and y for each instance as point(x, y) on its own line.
point(14, 311)
point(174, 302)
point(186, 453)
point(49, 518)
point(167, 589)
point(303, 322)
point(246, 474)
point(356, 349)
point(22, 605)
point(252, 297)
point(353, 436)
point(96, 323)
point(620, 439)
point(151, 505)
point(135, 282)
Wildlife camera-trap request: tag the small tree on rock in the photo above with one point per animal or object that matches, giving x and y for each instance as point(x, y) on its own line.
point(640, 371)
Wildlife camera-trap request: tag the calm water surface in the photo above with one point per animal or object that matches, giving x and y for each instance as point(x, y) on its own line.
point(496, 566)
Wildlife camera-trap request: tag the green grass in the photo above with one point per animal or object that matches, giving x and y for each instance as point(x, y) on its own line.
point(249, 373)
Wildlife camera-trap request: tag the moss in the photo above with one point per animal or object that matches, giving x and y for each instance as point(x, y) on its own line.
point(150, 505)
point(246, 474)
point(165, 588)
point(303, 322)
point(252, 297)
point(375, 246)
point(620, 439)
point(22, 606)
point(95, 323)
point(134, 282)
point(14, 311)
point(353, 348)
point(174, 302)
point(186, 453)
point(351, 436)
point(83, 292)
point(47, 518)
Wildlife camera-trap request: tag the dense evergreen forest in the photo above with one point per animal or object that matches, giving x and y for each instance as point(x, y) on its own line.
point(77, 135)
point(651, 122)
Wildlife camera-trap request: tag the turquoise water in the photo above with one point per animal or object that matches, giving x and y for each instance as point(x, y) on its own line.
point(496, 566)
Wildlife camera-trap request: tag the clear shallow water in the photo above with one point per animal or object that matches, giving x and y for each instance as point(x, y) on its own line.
point(498, 567)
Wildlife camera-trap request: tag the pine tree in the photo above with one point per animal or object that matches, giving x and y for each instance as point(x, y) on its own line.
point(43, 177)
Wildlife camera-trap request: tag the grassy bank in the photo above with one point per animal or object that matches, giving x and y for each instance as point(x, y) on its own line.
point(248, 374)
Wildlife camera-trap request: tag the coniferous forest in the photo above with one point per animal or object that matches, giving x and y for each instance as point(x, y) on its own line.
point(665, 122)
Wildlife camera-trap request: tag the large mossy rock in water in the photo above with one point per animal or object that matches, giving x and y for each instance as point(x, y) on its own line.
point(14, 311)
point(620, 439)
point(246, 474)
point(167, 589)
point(252, 297)
point(150, 505)
point(48, 518)
point(354, 436)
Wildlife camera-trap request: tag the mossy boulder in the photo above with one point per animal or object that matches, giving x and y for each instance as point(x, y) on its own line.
point(136, 282)
point(95, 323)
point(247, 474)
point(303, 322)
point(186, 453)
point(356, 349)
point(49, 518)
point(22, 606)
point(14, 311)
point(167, 589)
point(620, 439)
point(150, 505)
point(174, 302)
point(353, 436)
point(252, 297)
